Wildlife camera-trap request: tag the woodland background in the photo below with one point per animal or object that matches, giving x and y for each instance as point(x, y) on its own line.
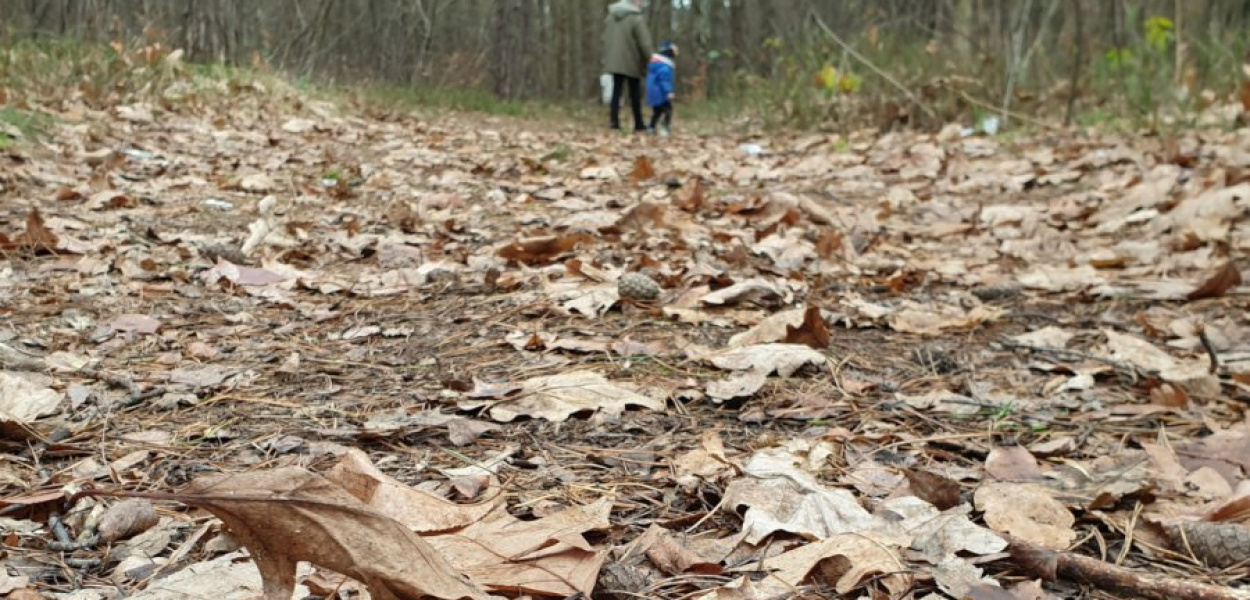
point(793, 59)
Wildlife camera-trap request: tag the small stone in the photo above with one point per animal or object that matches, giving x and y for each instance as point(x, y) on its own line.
point(996, 292)
point(636, 286)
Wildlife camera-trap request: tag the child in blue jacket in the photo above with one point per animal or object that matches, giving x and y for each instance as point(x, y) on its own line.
point(660, 90)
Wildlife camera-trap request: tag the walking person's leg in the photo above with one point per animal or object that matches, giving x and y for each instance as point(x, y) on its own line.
point(656, 113)
point(666, 112)
point(614, 110)
point(635, 99)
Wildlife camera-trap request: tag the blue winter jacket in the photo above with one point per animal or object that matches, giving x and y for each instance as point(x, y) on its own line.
point(659, 80)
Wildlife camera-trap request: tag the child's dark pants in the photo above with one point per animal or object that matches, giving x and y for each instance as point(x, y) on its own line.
point(663, 111)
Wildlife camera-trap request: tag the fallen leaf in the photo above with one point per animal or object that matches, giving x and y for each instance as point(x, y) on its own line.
point(22, 402)
point(36, 237)
point(548, 556)
point(1225, 278)
point(141, 324)
point(1012, 463)
point(558, 397)
point(1026, 511)
point(812, 332)
point(757, 363)
point(670, 555)
point(779, 496)
point(418, 510)
point(542, 250)
point(753, 290)
point(126, 519)
point(695, 200)
point(935, 489)
point(289, 514)
point(642, 170)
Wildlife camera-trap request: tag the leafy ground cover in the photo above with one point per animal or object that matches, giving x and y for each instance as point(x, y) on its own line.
point(460, 355)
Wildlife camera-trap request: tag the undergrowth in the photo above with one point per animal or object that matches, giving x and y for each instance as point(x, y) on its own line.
point(816, 84)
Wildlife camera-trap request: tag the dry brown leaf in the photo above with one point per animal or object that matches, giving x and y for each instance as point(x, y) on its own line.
point(288, 515)
point(1027, 512)
point(772, 329)
point(558, 397)
point(935, 489)
point(779, 495)
point(671, 556)
point(752, 290)
point(417, 510)
point(547, 557)
point(1225, 278)
point(693, 202)
point(131, 323)
point(22, 402)
point(643, 170)
point(126, 519)
point(1236, 510)
point(36, 237)
point(1012, 463)
point(843, 562)
point(985, 591)
point(705, 463)
point(642, 217)
point(542, 250)
point(812, 332)
point(1170, 396)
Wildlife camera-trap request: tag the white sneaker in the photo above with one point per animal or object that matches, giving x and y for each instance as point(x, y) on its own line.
point(663, 132)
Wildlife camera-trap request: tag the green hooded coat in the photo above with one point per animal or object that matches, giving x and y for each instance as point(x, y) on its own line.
point(626, 41)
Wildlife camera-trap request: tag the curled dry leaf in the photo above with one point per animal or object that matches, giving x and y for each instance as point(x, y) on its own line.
point(812, 332)
point(37, 236)
point(127, 519)
point(284, 516)
point(1225, 278)
point(670, 554)
point(542, 250)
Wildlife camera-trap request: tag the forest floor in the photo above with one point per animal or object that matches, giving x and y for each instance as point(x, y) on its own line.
point(897, 365)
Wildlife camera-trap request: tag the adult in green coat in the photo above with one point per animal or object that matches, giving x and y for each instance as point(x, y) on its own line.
point(626, 49)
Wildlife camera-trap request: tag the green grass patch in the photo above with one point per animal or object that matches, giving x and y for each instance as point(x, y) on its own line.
point(21, 126)
point(396, 97)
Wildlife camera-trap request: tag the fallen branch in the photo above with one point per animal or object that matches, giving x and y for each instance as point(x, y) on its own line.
point(1073, 568)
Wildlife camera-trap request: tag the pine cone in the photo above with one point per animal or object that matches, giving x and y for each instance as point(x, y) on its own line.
point(636, 286)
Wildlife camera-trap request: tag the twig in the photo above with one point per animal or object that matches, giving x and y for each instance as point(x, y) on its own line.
point(1206, 343)
point(1127, 368)
point(135, 395)
point(874, 68)
point(1065, 566)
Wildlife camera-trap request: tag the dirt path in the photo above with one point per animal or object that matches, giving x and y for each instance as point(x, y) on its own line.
point(265, 284)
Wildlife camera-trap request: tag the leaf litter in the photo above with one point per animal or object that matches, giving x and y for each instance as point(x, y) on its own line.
point(902, 364)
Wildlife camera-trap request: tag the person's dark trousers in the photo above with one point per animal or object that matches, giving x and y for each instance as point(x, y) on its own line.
point(635, 100)
point(663, 111)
